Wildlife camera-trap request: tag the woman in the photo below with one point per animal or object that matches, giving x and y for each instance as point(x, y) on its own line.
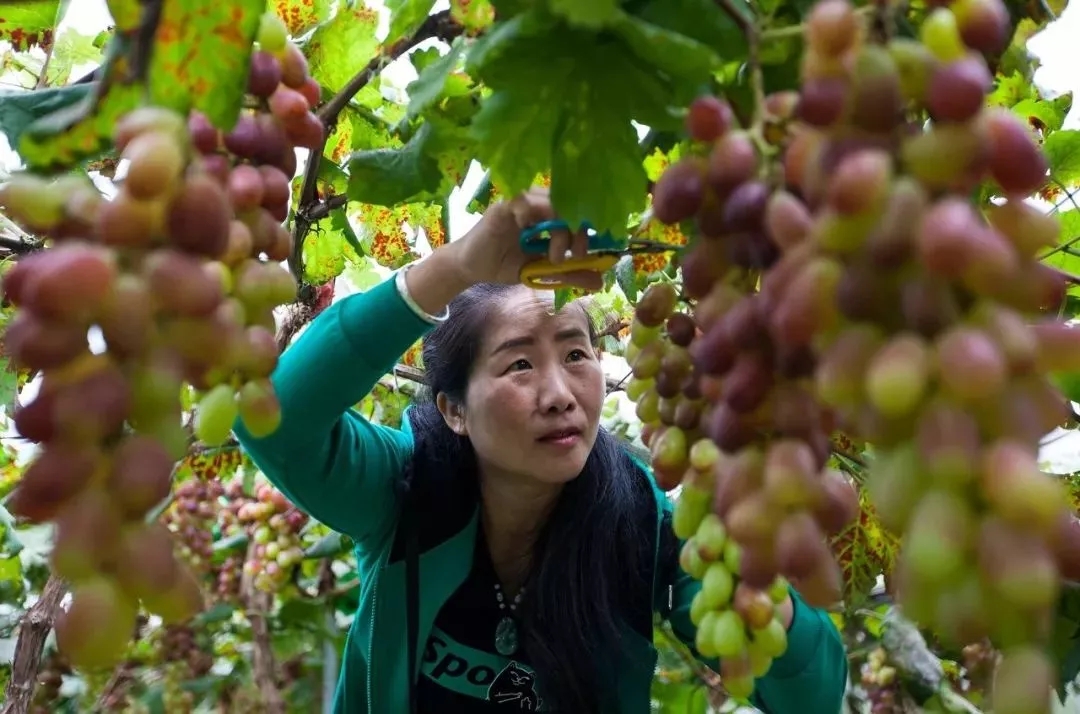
point(511, 554)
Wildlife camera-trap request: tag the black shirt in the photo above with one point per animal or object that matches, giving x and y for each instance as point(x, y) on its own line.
point(461, 671)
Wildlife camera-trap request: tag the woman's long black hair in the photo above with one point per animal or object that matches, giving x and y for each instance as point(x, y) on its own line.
point(593, 559)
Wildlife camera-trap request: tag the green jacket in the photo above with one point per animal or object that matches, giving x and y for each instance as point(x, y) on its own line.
point(341, 469)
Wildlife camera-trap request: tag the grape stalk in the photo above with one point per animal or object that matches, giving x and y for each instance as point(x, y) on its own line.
point(179, 273)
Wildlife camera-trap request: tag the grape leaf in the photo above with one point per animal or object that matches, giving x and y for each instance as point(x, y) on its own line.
point(674, 53)
point(82, 130)
point(339, 48)
point(72, 48)
point(596, 171)
point(329, 245)
point(1066, 254)
point(202, 52)
point(405, 17)
point(429, 85)
point(1048, 114)
point(1065, 639)
point(701, 20)
point(473, 15)
point(546, 110)
point(302, 15)
point(515, 136)
point(383, 234)
point(592, 14)
point(29, 23)
point(126, 14)
point(20, 108)
point(863, 550)
point(1063, 152)
point(414, 172)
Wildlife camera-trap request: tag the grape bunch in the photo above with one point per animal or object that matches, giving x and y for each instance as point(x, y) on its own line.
point(893, 308)
point(179, 273)
point(952, 388)
point(775, 495)
point(274, 526)
point(735, 610)
point(879, 680)
point(191, 518)
point(181, 658)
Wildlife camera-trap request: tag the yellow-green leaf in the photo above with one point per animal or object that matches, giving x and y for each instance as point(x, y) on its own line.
point(202, 52)
point(864, 551)
point(29, 23)
point(474, 15)
point(302, 15)
point(126, 14)
point(342, 46)
point(83, 130)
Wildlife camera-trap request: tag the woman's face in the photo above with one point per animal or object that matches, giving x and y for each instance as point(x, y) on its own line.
point(532, 408)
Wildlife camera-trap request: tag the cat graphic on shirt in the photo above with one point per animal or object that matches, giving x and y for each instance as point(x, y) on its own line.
point(516, 687)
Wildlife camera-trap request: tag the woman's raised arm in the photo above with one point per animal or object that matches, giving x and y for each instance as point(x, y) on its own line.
point(325, 456)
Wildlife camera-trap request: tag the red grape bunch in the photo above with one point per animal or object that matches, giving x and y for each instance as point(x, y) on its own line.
point(179, 273)
point(191, 518)
point(928, 318)
point(775, 495)
point(230, 571)
point(274, 525)
point(183, 656)
point(735, 615)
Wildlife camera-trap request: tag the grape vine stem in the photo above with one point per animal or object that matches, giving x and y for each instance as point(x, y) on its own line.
point(34, 629)
point(309, 209)
point(257, 604)
point(753, 36)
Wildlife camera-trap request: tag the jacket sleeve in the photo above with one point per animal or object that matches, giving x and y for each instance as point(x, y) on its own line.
point(326, 457)
point(810, 678)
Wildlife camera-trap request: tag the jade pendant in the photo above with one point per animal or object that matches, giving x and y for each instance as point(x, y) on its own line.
point(506, 639)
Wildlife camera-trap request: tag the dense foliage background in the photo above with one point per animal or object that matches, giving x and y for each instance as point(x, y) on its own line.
point(382, 193)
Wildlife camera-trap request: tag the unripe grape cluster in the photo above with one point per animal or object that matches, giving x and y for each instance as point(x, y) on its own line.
point(179, 273)
point(895, 309)
point(881, 684)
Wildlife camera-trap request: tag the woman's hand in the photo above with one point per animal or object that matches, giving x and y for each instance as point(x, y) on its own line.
point(491, 252)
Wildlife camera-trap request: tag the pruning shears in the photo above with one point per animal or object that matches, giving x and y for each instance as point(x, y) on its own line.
point(604, 252)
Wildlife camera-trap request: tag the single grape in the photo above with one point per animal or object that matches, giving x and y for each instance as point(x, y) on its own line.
point(680, 191)
point(215, 415)
point(821, 101)
point(732, 161)
point(831, 27)
point(1016, 163)
point(259, 408)
point(940, 34)
point(156, 161)
point(708, 118)
point(272, 34)
point(984, 24)
point(264, 76)
point(199, 217)
point(958, 89)
point(94, 631)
